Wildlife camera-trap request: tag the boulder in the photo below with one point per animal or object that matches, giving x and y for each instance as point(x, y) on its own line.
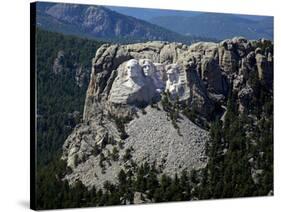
point(244, 96)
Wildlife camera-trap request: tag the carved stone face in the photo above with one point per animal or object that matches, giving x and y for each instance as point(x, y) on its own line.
point(147, 67)
point(172, 73)
point(171, 76)
point(133, 69)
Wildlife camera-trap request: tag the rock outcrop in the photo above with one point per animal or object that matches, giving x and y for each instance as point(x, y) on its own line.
point(264, 66)
point(58, 62)
point(123, 115)
point(64, 63)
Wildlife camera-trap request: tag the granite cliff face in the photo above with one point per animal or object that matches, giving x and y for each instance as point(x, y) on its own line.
point(125, 121)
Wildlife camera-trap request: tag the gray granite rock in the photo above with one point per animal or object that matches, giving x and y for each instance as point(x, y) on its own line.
point(58, 62)
point(152, 139)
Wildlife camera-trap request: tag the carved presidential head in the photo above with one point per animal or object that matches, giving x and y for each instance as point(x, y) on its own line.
point(133, 70)
point(172, 72)
point(147, 67)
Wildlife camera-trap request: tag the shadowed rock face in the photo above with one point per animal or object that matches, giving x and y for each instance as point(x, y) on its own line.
point(126, 79)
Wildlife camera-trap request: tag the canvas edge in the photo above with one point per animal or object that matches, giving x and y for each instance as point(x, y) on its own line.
point(33, 204)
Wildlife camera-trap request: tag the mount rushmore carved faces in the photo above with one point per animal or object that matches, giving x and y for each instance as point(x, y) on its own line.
point(142, 81)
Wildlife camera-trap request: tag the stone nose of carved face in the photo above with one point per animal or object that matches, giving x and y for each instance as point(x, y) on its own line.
point(129, 70)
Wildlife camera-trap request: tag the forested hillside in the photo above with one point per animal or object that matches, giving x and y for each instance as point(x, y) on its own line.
point(60, 99)
point(58, 94)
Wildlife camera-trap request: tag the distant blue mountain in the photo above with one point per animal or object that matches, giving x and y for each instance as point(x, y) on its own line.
point(147, 14)
point(213, 25)
point(218, 26)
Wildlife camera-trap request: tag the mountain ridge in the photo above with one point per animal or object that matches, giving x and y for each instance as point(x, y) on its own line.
point(218, 26)
point(102, 23)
